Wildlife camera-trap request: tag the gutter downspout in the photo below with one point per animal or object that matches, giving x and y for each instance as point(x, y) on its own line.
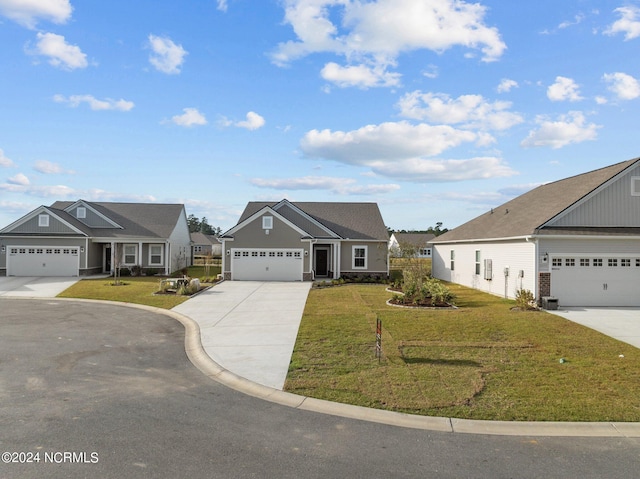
point(536, 272)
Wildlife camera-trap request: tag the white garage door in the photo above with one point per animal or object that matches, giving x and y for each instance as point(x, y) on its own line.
point(42, 261)
point(612, 280)
point(266, 264)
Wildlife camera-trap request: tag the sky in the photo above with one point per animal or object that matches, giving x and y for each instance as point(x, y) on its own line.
point(437, 110)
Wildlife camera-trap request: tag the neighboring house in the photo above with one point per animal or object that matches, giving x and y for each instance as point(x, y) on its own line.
point(205, 245)
point(577, 240)
point(419, 244)
point(302, 241)
point(81, 238)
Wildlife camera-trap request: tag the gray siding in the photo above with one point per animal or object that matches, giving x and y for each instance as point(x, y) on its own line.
point(377, 257)
point(613, 206)
point(280, 236)
point(92, 219)
point(31, 227)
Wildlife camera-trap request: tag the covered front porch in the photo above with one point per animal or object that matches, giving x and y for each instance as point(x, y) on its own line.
point(326, 260)
point(146, 255)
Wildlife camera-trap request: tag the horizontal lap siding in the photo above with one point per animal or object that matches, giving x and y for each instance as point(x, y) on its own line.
point(516, 255)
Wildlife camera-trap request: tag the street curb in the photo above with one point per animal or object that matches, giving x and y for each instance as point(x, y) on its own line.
point(203, 362)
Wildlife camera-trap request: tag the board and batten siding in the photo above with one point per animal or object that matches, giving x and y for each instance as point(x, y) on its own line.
point(616, 205)
point(516, 255)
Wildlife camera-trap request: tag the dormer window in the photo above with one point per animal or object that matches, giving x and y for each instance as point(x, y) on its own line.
point(81, 212)
point(43, 221)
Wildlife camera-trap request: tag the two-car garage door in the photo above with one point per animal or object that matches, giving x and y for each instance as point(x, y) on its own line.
point(42, 261)
point(266, 264)
point(612, 280)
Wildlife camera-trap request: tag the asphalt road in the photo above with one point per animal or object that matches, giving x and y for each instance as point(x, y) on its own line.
point(93, 390)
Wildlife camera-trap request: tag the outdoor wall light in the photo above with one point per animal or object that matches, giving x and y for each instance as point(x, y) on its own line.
point(545, 257)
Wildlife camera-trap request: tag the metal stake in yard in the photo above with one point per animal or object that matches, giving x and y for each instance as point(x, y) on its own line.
point(378, 338)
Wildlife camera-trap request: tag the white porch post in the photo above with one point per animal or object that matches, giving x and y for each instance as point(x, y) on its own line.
point(336, 260)
point(140, 262)
point(167, 256)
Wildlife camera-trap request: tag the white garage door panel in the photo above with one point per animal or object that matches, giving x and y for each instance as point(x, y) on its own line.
point(262, 264)
point(42, 261)
point(616, 282)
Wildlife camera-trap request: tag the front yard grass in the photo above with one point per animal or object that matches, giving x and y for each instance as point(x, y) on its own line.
point(481, 361)
point(137, 289)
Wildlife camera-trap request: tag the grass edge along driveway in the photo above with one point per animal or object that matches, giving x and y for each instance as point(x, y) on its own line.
point(481, 361)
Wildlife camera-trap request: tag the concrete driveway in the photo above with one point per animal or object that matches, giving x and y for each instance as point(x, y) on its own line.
point(622, 324)
point(250, 327)
point(34, 286)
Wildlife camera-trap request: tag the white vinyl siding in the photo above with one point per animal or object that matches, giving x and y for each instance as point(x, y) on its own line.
point(515, 256)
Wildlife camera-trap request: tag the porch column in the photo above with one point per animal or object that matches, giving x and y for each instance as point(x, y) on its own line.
point(336, 260)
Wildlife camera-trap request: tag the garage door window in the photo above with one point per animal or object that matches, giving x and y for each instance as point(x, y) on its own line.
point(612, 262)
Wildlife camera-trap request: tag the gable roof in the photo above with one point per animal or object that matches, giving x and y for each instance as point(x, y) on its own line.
point(361, 221)
point(529, 213)
point(154, 220)
point(200, 238)
point(414, 239)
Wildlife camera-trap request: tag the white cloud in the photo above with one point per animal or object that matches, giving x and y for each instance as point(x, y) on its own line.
point(167, 57)
point(253, 121)
point(624, 86)
point(400, 150)
point(376, 33)
point(506, 85)
point(4, 161)
point(344, 186)
point(569, 23)
point(360, 76)
point(468, 111)
point(49, 168)
point(19, 179)
point(432, 171)
point(190, 117)
point(629, 23)
point(60, 53)
point(222, 5)
point(95, 104)
point(568, 129)
point(564, 89)
point(28, 12)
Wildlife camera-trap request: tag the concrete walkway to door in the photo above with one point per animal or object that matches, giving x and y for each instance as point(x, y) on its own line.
point(622, 324)
point(250, 327)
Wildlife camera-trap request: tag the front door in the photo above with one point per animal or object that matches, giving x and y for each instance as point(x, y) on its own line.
point(322, 256)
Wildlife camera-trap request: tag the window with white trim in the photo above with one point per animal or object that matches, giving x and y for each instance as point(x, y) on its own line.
point(81, 212)
point(155, 254)
point(43, 221)
point(477, 261)
point(359, 255)
point(635, 186)
point(130, 254)
point(452, 257)
point(267, 222)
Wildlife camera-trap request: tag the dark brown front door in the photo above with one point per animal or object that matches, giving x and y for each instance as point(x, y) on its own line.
point(321, 262)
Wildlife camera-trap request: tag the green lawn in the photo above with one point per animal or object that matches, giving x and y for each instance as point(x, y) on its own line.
point(482, 361)
point(137, 290)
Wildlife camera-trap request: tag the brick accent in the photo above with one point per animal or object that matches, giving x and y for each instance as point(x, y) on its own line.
point(544, 285)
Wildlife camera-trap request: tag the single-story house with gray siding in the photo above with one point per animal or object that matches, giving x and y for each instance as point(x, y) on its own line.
point(303, 241)
point(576, 241)
point(82, 238)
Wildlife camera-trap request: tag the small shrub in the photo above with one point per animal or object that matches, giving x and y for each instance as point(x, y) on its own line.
point(525, 299)
point(135, 270)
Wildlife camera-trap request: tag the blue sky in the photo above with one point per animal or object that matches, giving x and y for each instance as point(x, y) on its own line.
point(435, 109)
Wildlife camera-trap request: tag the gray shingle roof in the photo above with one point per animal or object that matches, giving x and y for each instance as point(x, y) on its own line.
point(147, 220)
point(348, 220)
point(415, 239)
point(525, 214)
